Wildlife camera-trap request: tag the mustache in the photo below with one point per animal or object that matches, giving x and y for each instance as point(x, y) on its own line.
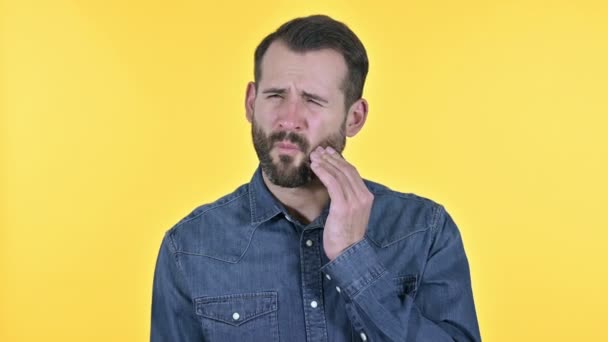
point(292, 137)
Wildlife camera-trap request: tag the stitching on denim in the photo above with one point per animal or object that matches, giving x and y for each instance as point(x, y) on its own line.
point(269, 215)
point(376, 271)
point(276, 317)
point(210, 207)
point(348, 251)
point(240, 322)
point(267, 300)
point(319, 247)
point(248, 243)
point(253, 204)
point(400, 239)
point(208, 256)
point(224, 260)
point(180, 269)
point(171, 242)
point(412, 197)
point(302, 272)
point(260, 294)
point(375, 277)
point(173, 250)
point(437, 211)
point(379, 189)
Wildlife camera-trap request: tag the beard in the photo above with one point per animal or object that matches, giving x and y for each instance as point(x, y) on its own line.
point(285, 171)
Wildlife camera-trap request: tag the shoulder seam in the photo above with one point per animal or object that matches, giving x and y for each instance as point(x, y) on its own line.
point(438, 210)
point(209, 207)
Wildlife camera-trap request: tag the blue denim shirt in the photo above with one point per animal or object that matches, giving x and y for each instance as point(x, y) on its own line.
point(242, 269)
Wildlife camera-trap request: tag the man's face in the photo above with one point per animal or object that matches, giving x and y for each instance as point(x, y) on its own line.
point(299, 105)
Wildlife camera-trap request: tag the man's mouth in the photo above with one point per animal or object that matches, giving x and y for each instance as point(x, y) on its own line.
point(285, 146)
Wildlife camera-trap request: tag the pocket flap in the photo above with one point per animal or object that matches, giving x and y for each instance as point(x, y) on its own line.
point(236, 309)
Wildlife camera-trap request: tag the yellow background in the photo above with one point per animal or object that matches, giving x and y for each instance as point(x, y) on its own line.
point(119, 117)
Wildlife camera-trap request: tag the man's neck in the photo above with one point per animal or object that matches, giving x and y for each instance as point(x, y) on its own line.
point(304, 203)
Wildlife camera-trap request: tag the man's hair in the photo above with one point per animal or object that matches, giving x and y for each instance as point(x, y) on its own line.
point(318, 32)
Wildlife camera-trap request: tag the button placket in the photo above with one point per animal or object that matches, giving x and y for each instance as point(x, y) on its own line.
point(312, 285)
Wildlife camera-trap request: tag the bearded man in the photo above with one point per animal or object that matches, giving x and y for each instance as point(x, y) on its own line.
point(308, 250)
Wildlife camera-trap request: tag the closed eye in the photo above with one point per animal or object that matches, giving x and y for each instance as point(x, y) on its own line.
point(313, 101)
point(274, 96)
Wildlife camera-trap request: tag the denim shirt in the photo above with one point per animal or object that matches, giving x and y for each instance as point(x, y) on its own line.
point(242, 269)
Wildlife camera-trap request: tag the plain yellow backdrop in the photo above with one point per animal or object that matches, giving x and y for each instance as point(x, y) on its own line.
point(119, 117)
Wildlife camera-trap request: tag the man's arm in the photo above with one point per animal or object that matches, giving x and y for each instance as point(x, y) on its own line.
point(442, 308)
point(173, 318)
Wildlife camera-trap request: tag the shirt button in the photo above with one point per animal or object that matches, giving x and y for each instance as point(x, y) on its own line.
point(328, 277)
point(308, 243)
point(314, 303)
point(338, 289)
point(236, 316)
point(363, 337)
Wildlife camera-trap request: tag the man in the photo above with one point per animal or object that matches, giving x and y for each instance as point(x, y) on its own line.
point(308, 250)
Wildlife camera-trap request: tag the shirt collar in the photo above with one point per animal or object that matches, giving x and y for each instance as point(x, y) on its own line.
point(265, 206)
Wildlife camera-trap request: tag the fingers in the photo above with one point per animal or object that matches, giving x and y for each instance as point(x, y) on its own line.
point(331, 176)
point(354, 179)
point(334, 171)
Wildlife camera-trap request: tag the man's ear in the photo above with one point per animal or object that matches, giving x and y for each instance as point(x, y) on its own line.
point(250, 94)
point(356, 116)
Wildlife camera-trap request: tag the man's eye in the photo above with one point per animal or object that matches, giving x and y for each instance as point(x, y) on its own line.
point(313, 101)
point(275, 96)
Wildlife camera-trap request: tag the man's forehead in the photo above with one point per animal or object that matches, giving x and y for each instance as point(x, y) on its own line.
point(279, 51)
point(323, 69)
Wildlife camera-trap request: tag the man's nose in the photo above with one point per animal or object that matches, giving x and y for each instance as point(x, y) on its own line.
point(291, 116)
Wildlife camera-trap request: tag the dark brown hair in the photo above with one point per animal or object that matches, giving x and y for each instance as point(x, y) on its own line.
point(318, 32)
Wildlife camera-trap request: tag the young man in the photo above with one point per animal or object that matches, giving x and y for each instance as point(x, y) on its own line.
point(308, 250)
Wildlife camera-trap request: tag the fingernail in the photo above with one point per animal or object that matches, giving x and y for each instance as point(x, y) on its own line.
point(330, 150)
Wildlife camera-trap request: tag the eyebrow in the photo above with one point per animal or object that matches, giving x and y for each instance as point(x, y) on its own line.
point(304, 93)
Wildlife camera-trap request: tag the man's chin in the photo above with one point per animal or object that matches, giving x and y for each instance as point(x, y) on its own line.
point(292, 155)
point(290, 176)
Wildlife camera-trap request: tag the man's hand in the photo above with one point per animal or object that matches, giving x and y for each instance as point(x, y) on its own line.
point(351, 201)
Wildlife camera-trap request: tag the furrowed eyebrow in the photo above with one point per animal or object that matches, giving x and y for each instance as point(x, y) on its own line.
point(304, 93)
point(314, 97)
point(274, 91)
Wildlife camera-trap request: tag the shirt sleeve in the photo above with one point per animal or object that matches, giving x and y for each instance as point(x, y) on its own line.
point(442, 308)
point(173, 317)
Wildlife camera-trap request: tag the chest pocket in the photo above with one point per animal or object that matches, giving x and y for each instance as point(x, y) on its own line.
point(239, 317)
point(406, 285)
